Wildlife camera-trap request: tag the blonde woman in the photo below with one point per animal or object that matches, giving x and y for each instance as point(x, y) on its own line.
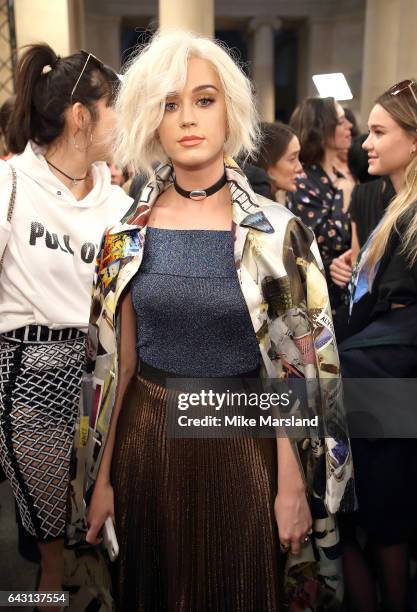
point(188, 284)
point(383, 344)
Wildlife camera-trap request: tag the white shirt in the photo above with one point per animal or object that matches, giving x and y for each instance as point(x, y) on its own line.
point(50, 255)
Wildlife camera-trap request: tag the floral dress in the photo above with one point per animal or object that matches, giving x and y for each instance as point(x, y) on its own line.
point(320, 206)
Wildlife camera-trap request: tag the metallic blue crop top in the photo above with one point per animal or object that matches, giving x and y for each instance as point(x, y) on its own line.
point(192, 319)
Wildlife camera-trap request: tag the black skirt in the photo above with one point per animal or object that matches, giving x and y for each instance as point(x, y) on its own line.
point(385, 469)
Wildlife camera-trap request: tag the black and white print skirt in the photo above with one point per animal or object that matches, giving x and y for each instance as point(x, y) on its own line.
point(39, 396)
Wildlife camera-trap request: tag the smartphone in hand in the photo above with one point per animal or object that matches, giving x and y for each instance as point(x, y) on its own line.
point(109, 539)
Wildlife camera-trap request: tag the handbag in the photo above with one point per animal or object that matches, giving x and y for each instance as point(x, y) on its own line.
point(5, 228)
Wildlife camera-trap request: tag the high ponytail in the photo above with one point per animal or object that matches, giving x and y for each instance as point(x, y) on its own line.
point(44, 82)
point(29, 81)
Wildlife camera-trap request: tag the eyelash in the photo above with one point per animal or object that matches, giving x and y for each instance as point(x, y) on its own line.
point(168, 105)
point(376, 132)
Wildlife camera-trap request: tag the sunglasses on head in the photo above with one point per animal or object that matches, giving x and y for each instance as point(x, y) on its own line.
point(89, 57)
point(403, 86)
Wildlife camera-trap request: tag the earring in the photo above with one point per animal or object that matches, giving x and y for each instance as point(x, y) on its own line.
point(77, 146)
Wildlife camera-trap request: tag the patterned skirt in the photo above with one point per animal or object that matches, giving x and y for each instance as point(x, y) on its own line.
point(194, 517)
point(39, 396)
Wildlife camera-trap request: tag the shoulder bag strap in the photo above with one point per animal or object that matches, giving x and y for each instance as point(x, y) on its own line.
point(10, 207)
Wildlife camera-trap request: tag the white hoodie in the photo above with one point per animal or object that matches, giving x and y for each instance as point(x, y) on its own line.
point(50, 254)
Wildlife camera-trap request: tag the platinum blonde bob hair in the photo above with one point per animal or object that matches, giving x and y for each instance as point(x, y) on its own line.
point(158, 70)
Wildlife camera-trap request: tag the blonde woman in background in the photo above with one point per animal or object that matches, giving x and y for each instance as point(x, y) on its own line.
point(382, 343)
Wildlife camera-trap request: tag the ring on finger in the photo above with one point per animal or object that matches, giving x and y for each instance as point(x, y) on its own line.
point(284, 547)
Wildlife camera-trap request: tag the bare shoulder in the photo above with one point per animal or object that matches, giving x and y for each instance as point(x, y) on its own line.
point(164, 201)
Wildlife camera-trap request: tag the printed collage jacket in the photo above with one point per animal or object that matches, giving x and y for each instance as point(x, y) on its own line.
point(282, 280)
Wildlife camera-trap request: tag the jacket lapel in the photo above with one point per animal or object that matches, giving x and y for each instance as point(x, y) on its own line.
point(248, 221)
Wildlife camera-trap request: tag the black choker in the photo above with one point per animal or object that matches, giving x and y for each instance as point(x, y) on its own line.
point(71, 178)
point(201, 194)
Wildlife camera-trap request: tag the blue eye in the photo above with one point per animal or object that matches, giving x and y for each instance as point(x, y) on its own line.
point(205, 101)
point(170, 106)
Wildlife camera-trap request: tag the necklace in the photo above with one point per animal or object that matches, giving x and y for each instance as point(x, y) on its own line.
point(201, 194)
point(71, 178)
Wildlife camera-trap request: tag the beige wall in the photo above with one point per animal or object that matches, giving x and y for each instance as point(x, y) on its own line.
point(380, 54)
point(60, 23)
point(390, 47)
point(194, 15)
point(407, 49)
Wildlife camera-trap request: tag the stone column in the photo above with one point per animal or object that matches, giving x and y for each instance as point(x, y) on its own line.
point(383, 40)
point(407, 49)
point(76, 16)
point(320, 50)
point(104, 38)
point(58, 23)
point(263, 65)
point(194, 15)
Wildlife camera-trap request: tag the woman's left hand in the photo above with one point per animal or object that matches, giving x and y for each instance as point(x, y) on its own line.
point(293, 517)
point(341, 269)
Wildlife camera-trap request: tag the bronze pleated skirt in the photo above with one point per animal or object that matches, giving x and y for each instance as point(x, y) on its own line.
point(194, 517)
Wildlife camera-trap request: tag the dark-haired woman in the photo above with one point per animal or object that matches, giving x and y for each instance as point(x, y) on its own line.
point(343, 154)
point(323, 195)
point(59, 130)
point(279, 156)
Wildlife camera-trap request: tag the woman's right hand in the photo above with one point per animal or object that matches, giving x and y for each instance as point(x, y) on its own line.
point(293, 516)
point(341, 269)
point(101, 506)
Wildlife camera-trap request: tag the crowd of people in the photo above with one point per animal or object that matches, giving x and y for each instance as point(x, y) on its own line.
point(216, 247)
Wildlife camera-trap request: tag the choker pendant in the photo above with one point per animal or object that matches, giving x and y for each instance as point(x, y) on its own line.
point(74, 180)
point(198, 194)
point(201, 194)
